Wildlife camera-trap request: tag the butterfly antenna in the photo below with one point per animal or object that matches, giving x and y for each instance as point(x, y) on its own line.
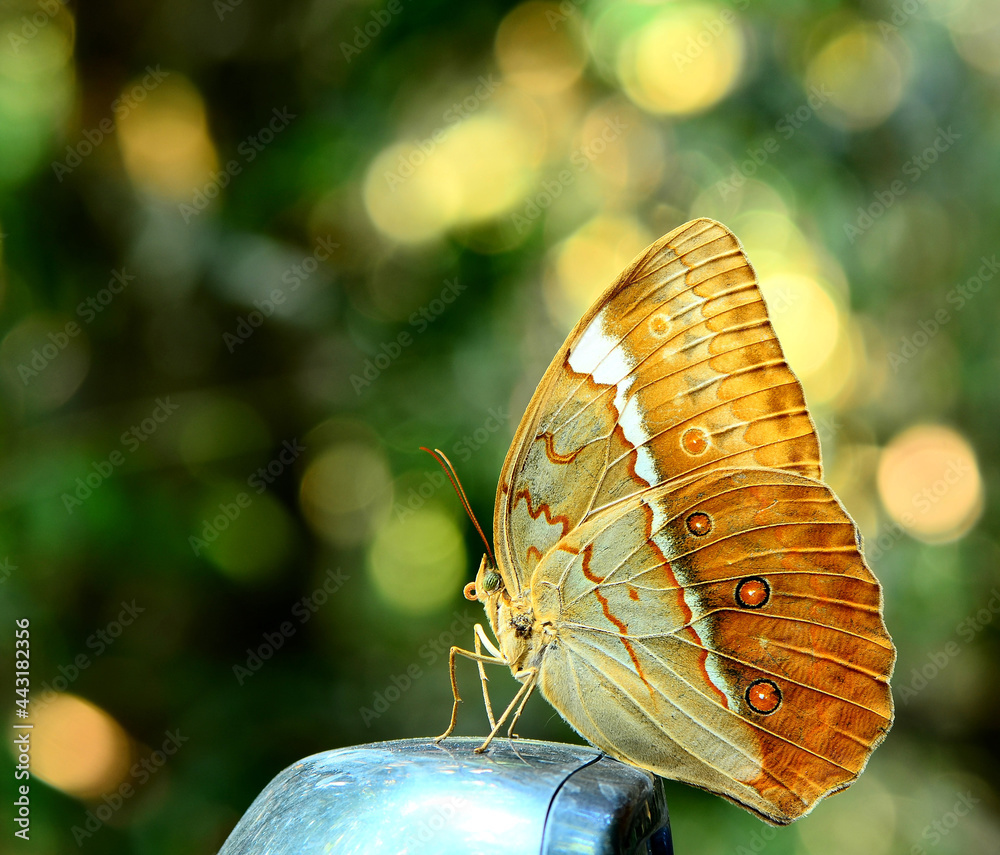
point(449, 470)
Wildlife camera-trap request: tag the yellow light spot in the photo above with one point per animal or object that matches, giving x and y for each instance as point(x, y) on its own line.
point(215, 428)
point(843, 73)
point(411, 193)
point(589, 261)
point(77, 747)
point(163, 133)
point(539, 48)
point(345, 492)
point(45, 358)
point(632, 158)
point(417, 563)
point(489, 155)
point(684, 60)
point(244, 533)
point(459, 174)
point(805, 319)
point(929, 482)
point(36, 89)
point(975, 30)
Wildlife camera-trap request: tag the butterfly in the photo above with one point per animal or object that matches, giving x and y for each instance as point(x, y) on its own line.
point(671, 572)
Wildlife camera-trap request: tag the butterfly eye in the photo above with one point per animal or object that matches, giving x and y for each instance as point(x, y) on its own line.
point(491, 581)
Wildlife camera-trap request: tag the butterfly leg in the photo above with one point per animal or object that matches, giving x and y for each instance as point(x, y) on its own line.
point(476, 657)
point(482, 640)
point(517, 714)
point(518, 702)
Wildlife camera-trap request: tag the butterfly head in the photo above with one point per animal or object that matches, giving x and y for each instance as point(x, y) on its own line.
point(489, 583)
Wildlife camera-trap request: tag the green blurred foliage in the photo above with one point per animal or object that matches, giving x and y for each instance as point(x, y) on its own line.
point(215, 381)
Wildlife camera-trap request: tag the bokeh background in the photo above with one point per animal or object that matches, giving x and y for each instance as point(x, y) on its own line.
point(255, 253)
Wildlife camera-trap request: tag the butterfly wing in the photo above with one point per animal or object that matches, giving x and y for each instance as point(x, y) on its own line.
point(675, 370)
point(725, 632)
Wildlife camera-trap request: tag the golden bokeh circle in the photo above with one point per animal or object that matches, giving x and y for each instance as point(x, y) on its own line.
point(929, 482)
point(684, 60)
point(857, 79)
point(77, 747)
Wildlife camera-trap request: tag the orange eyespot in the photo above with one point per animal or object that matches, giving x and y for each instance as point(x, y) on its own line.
point(763, 696)
point(658, 325)
point(694, 441)
point(699, 524)
point(753, 593)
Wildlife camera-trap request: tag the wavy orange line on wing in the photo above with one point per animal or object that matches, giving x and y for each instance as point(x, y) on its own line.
point(623, 629)
point(555, 456)
point(543, 509)
point(686, 610)
point(590, 574)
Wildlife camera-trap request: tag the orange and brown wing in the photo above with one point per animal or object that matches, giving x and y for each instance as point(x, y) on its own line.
point(675, 370)
point(725, 632)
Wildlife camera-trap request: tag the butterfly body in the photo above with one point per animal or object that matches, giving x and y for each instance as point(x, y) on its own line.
point(671, 571)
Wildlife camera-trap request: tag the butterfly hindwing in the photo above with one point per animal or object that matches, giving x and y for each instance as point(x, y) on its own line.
point(671, 609)
point(674, 371)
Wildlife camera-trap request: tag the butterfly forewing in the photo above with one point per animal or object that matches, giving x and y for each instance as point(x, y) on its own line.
point(672, 608)
point(675, 370)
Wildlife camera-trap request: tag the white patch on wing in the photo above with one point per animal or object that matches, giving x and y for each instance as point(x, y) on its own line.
point(659, 520)
point(717, 678)
point(608, 363)
point(593, 346)
point(634, 428)
point(681, 570)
